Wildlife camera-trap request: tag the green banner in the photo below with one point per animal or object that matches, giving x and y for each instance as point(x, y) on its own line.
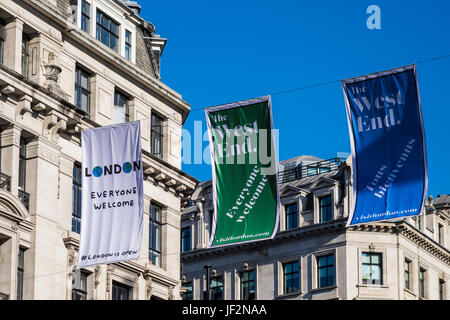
point(244, 172)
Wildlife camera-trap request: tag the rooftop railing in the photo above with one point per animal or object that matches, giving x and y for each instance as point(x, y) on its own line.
point(312, 169)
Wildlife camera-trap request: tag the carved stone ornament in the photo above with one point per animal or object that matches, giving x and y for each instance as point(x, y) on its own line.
point(51, 74)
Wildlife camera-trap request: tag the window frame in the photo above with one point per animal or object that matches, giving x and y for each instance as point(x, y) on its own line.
point(159, 134)
point(20, 272)
point(327, 205)
point(215, 288)
point(407, 274)
point(119, 285)
point(370, 265)
point(118, 97)
point(85, 16)
point(76, 197)
point(128, 45)
point(422, 282)
point(441, 289)
point(184, 237)
point(100, 15)
point(79, 73)
point(288, 215)
point(22, 181)
point(248, 283)
point(327, 266)
point(155, 247)
point(284, 273)
point(25, 58)
point(80, 292)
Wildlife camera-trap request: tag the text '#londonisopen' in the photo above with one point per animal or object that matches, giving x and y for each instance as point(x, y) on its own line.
point(112, 194)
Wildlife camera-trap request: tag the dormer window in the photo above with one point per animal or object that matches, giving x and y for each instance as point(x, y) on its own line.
point(107, 31)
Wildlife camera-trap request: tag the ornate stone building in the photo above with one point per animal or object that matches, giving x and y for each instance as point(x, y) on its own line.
point(65, 66)
point(313, 255)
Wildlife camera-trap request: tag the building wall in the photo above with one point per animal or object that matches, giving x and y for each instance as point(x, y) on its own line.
point(44, 112)
point(394, 240)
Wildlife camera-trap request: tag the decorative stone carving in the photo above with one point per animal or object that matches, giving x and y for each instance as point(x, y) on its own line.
point(97, 273)
point(171, 293)
point(148, 284)
point(51, 74)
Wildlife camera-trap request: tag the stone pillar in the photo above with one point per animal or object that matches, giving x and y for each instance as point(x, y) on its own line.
point(35, 73)
point(42, 181)
point(64, 217)
point(10, 149)
point(13, 44)
point(171, 242)
point(143, 255)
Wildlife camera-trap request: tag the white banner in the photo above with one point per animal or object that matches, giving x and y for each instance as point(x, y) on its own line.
point(112, 194)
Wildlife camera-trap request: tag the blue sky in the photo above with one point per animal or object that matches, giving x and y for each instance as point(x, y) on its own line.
point(224, 51)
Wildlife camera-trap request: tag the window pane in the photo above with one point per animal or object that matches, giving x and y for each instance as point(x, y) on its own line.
point(375, 258)
point(84, 81)
point(114, 28)
point(105, 37)
point(105, 22)
point(113, 43)
point(376, 275)
point(365, 258)
point(119, 114)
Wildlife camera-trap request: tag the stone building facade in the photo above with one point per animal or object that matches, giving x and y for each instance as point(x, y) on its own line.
point(66, 66)
point(313, 255)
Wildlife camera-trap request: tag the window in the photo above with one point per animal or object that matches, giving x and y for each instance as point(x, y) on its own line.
point(154, 245)
point(25, 54)
point(188, 294)
point(157, 136)
point(85, 16)
point(291, 279)
point(185, 239)
point(22, 164)
point(79, 285)
point(441, 234)
point(128, 45)
point(2, 40)
point(325, 210)
point(441, 289)
point(20, 271)
point(76, 198)
point(120, 291)
point(407, 274)
point(372, 268)
point(211, 217)
point(291, 216)
point(121, 108)
point(107, 31)
point(248, 285)
point(82, 90)
point(422, 283)
point(216, 287)
point(24, 197)
point(325, 271)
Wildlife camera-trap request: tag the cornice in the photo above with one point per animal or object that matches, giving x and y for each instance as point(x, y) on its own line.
point(425, 242)
point(332, 227)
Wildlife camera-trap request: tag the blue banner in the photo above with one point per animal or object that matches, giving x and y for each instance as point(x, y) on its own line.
point(388, 145)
